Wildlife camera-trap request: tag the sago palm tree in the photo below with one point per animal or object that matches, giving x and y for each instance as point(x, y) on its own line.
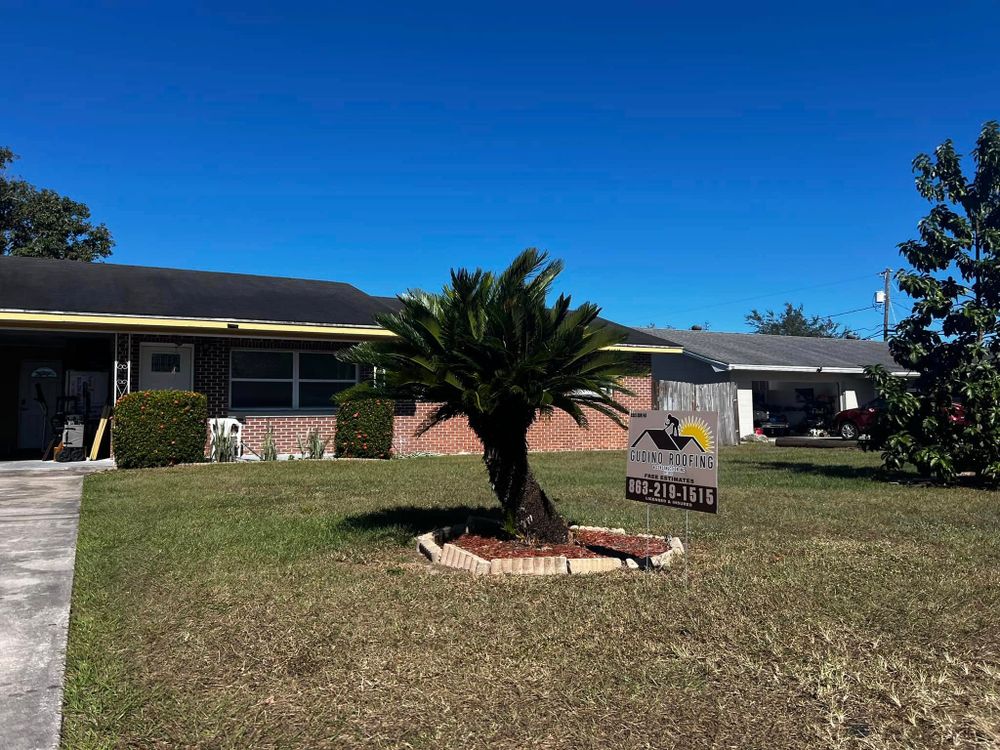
point(489, 348)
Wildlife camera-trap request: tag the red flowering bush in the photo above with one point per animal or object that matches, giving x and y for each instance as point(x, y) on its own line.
point(159, 428)
point(364, 429)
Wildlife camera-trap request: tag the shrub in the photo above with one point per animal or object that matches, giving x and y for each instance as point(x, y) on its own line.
point(364, 428)
point(269, 448)
point(225, 444)
point(160, 428)
point(314, 446)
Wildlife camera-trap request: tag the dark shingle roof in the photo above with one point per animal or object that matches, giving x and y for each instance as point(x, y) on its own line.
point(70, 286)
point(47, 285)
point(762, 350)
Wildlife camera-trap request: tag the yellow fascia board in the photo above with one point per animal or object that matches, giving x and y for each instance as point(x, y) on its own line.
point(645, 349)
point(182, 325)
point(84, 321)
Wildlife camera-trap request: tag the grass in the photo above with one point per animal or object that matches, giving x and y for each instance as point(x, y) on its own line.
point(282, 605)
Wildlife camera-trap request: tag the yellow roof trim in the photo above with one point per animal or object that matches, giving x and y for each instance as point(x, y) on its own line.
point(140, 323)
point(83, 321)
point(645, 349)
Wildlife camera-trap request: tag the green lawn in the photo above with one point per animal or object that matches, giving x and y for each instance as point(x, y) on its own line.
point(283, 605)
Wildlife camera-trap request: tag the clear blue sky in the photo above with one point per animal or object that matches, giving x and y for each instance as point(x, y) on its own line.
point(681, 157)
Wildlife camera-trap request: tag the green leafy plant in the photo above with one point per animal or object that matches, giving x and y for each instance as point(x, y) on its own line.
point(314, 446)
point(269, 446)
point(159, 428)
point(491, 349)
point(41, 223)
point(947, 420)
point(364, 428)
point(225, 444)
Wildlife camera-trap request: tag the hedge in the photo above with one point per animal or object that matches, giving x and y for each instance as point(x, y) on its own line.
point(364, 429)
point(160, 428)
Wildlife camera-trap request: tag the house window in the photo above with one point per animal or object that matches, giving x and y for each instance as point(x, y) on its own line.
point(264, 379)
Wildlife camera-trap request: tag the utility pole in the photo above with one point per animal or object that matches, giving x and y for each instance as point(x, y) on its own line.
point(887, 275)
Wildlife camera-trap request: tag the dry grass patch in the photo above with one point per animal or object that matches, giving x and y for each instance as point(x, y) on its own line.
point(282, 605)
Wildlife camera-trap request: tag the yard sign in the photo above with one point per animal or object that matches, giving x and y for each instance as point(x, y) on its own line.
point(673, 459)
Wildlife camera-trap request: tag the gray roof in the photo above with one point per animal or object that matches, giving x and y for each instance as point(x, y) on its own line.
point(760, 350)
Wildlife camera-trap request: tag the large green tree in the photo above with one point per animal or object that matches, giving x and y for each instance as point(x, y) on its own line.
point(792, 321)
point(41, 223)
point(489, 348)
point(950, 340)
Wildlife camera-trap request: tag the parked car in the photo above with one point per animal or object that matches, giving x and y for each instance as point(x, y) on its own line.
point(850, 424)
point(770, 423)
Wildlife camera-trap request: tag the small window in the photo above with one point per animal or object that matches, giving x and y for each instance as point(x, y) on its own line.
point(44, 373)
point(165, 362)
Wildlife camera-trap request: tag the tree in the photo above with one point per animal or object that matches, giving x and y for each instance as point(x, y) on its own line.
point(43, 224)
point(793, 322)
point(950, 338)
point(488, 348)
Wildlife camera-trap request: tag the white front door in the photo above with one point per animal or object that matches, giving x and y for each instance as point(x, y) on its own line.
point(166, 367)
point(40, 386)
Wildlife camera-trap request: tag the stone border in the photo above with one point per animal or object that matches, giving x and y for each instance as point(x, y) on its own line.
point(662, 560)
point(437, 547)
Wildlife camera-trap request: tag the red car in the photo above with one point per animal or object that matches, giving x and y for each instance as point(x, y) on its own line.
point(852, 423)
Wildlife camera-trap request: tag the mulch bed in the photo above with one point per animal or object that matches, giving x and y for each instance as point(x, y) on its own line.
point(634, 546)
point(586, 543)
point(492, 548)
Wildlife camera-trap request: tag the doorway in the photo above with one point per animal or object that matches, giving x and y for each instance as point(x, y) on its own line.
point(40, 387)
point(166, 367)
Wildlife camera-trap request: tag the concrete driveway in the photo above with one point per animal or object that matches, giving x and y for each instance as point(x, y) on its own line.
point(39, 509)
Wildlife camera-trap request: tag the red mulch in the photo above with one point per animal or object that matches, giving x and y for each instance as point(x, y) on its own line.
point(491, 548)
point(636, 546)
point(585, 544)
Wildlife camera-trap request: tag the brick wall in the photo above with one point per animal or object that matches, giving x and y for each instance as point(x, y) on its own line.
point(556, 433)
point(211, 377)
point(288, 431)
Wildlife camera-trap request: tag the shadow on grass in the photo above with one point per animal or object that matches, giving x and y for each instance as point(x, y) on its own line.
point(834, 471)
point(411, 520)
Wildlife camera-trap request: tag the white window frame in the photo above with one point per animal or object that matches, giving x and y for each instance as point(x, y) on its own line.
point(295, 381)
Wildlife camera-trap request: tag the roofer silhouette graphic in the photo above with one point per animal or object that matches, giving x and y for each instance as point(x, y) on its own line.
point(674, 424)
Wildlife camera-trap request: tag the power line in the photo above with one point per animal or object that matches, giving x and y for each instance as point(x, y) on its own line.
point(770, 294)
point(848, 312)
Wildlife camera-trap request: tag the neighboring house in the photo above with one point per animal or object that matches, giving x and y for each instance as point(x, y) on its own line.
point(260, 348)
point(747, 376)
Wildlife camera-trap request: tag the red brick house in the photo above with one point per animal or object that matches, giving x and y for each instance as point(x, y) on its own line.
point(260, 348)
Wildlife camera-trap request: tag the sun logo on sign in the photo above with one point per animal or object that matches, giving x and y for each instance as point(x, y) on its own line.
point(697, 428)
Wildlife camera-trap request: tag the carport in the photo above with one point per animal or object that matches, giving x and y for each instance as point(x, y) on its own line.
point(43, 373)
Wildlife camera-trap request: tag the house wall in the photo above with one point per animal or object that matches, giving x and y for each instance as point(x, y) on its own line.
point(211, 377)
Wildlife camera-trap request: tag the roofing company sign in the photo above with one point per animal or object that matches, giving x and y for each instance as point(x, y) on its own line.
point(673, 459)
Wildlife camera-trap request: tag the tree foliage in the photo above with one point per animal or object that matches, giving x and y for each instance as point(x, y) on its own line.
point(950, 338)
point(41, 223)
point(490, 349)
point(792, 321)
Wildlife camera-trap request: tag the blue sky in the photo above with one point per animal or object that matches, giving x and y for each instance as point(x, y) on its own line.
point(688, 161)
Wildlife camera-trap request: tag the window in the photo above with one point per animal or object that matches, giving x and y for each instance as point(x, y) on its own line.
point(262, 379)
point(164, 362)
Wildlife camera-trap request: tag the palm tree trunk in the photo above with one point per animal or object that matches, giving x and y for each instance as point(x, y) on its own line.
point(526, 506)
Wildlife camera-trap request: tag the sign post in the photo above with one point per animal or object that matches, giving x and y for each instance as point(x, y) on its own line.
point(673, 460)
